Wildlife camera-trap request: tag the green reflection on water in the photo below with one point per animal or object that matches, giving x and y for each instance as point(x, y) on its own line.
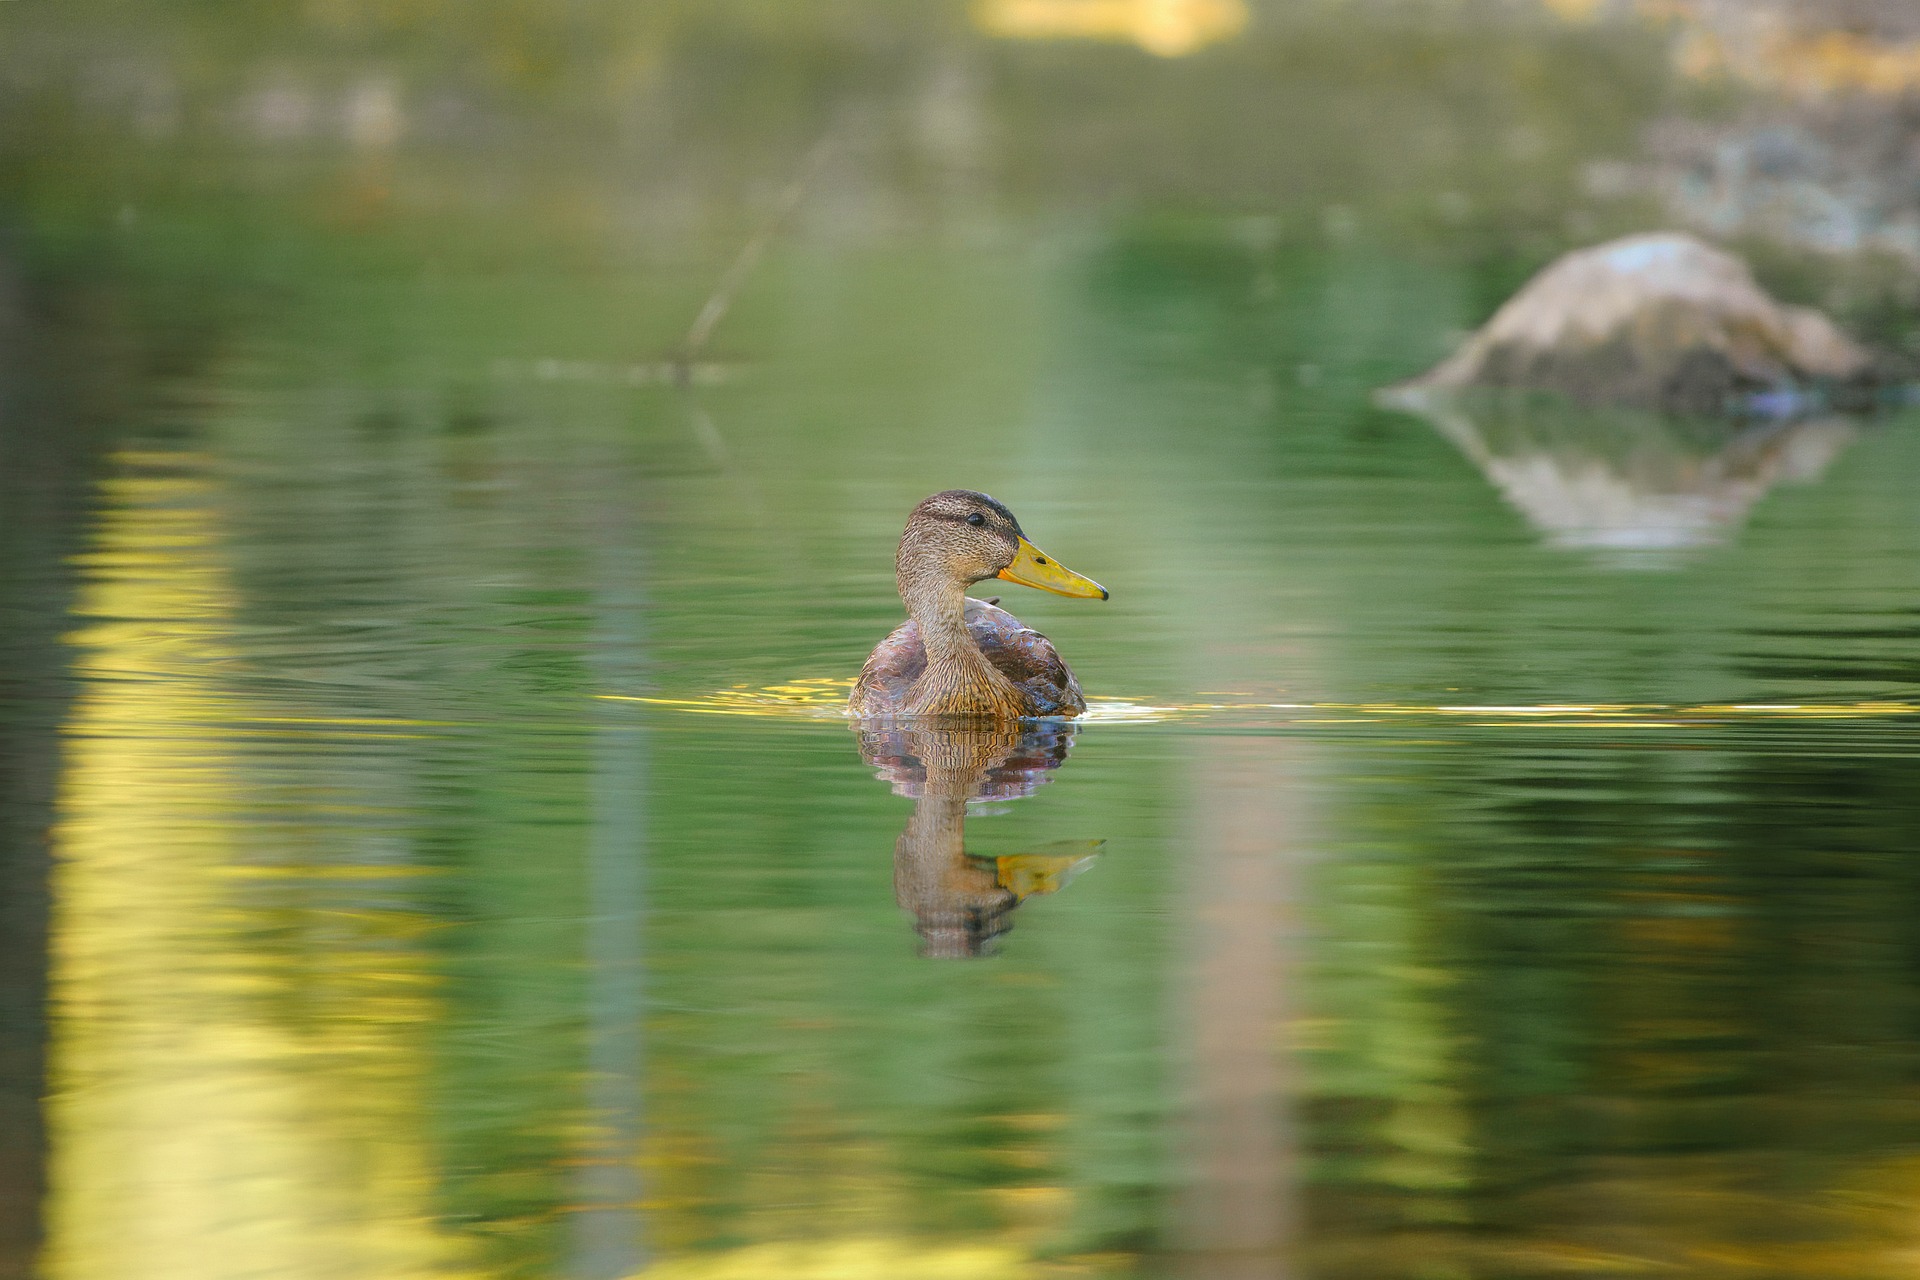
point(1452, 916)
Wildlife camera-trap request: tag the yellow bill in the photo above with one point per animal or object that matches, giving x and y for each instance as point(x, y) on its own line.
point(1034, 568)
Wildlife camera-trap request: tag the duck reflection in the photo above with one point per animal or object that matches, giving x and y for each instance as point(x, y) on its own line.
point(1630, 481)
point(961, 903)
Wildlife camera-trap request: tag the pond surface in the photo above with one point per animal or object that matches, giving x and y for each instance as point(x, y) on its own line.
point(1492, 852)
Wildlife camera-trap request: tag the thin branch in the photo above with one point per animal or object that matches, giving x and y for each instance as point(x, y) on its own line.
point(715, 308)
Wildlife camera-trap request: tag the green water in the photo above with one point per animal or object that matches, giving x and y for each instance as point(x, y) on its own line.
point(1501, 865)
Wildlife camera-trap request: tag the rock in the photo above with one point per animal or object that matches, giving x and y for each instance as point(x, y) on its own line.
point(1659, 321)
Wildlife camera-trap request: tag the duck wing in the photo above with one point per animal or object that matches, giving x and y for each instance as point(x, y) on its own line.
point(1027, 658)
point(886, 681)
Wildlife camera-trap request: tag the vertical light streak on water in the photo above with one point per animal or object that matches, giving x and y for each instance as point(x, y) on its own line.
point(1237, 1219)
point(196, 1134)
point(608, 1234)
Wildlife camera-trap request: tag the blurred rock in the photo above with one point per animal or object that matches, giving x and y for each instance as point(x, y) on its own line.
point(1835, 177)
point(1806, 47)
point(1823, 154)
point(1660, 321)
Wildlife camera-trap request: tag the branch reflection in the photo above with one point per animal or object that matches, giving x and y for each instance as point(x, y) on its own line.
point(961, 903)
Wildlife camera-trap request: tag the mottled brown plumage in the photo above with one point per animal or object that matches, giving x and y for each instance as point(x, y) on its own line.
point(958, 656)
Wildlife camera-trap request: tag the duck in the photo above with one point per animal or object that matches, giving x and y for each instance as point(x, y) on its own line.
point(957, 656)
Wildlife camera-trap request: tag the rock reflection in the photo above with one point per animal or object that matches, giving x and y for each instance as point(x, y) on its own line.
point(1625, 480)
point(962, 903)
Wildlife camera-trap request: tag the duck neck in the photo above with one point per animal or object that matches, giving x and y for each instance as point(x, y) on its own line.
point(938, 606)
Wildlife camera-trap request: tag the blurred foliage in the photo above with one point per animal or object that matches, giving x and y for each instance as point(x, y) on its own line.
point(675, 120)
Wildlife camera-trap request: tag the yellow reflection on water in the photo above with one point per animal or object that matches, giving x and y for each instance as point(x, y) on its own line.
point(201, 1129)
point(825, 698)
point(856, 1258)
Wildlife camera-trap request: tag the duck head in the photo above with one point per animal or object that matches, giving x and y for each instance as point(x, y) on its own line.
point(964, 537)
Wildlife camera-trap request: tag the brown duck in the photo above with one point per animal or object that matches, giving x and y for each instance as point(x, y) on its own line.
point(958, 656)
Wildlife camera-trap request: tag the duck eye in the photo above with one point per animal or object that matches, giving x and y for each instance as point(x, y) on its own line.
point(975, 518)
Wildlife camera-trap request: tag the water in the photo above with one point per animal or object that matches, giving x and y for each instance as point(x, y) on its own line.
point(434, 849)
